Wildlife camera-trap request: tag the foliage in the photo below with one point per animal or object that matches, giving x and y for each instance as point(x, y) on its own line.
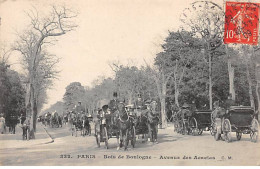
point(12, 95)
point(75, 92)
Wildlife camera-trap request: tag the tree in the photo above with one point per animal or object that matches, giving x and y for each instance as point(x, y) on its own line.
point(58, 107)
point(12, 95)
point(131, 81)
point(247, 57)
point(75, 92)
point(32, 44)
point(205, 20)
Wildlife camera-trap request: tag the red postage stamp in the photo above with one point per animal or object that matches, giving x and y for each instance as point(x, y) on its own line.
point(241, 23)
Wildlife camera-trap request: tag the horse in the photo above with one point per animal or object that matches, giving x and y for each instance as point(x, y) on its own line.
point(71, 121)
point(60, 121)
point(47, 119)
point(12, 122)
point(216, 120)
point(54, 120)
point(65, 119)
point(153, 121)
point(124, 124)
point(85, 126)
point(77, 124)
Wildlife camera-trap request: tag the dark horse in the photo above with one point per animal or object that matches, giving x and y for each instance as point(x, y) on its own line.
point(86, 129)
point(153, 120)
point(12, 121)
point(124, 124)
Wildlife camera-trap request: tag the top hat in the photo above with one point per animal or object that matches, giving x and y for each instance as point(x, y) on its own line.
point(185, 105)
point(115, 94)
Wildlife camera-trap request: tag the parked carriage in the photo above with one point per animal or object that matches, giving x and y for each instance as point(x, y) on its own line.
point(239, 119)
point(200, 121)
point(188, 122)
point(182, 122)
point(177, 121)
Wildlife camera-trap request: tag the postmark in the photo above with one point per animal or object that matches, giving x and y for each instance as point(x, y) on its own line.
point(241, 23)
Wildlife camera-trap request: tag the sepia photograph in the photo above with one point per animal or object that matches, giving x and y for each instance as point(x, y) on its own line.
point(129, 83)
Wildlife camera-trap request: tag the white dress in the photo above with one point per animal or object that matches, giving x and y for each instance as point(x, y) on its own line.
point(2, 125)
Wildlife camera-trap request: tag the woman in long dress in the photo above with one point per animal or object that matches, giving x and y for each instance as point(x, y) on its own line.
point(2, 124)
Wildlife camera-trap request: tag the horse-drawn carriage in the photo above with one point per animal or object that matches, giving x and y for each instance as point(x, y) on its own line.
point(117, 124)
point(11, 121)
point(47, 119)
point(182, 121)
point(200, 121)
point(139, 119)
point(239, 119)
point(55, 120)
point(188, 122)
point(79, 123)
point(145, 121)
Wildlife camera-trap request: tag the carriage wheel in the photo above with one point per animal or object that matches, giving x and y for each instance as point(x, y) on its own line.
point(227, 130)
point(106, 137)
point(98, 139)
point(133, 141)
point(194, 125)
point(239, 135)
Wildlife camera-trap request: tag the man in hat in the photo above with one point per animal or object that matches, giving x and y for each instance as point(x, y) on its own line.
point(193, 106)
point(186, 113)
point(112, 105)
point(139, 104)
point(229, 102)
point(79, 108)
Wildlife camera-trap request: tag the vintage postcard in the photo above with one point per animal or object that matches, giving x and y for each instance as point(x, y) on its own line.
point(129, 83)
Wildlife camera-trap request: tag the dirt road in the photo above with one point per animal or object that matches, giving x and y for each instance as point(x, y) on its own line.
point(172, 149)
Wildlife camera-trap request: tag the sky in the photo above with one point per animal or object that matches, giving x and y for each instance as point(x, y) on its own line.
point(128, 31)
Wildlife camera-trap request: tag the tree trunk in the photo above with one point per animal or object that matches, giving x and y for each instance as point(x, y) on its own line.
point(231, 80)
point(176, 89)
point(176, 95)
point(249, 80)
point(34, 114)
point(163, 110)
point(257, 66)
point(210, 82)
point(231, 76)
point(32, 136)
point(257, 95)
